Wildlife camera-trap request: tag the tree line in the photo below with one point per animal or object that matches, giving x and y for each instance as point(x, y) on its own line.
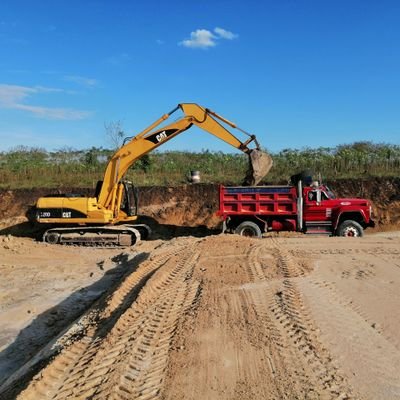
point(27, 167)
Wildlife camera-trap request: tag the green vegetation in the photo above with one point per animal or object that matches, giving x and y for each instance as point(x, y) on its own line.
point(25, 167)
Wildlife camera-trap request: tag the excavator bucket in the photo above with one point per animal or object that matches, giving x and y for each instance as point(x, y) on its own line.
point(260, 164)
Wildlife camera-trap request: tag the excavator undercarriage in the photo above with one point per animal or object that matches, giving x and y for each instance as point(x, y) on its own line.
point(118, 235)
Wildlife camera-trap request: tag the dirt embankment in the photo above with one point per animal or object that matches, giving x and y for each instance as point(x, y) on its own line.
point(195, 205)
point(185, 205)
point(384, 193)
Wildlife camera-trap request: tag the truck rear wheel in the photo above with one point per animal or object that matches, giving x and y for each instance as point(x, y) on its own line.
point(249, 229)
point(350, 229)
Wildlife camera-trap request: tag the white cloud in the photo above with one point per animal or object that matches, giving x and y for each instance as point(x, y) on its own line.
point(13, 96)
point(44, 89)
point(203, 38)
point(54, 113)
point(224, 34)
point(81, 80)
point(10, 94)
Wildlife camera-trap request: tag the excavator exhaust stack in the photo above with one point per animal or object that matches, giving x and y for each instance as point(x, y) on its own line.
point(260, 164)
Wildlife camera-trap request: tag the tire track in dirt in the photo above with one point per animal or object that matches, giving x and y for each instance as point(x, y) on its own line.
point(284, 363)
point(340, 251)
point(222, 349)
point(286, 380)
point(300, 354)
point(349, 303)
point(369, 270)
point(119, 300)
point(345, 328)
point(125, 354)
point(143, 371)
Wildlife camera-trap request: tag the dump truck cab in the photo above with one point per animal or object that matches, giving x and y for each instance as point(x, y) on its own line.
point(323, 211)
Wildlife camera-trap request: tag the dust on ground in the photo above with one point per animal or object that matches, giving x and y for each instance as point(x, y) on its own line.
point(220, 317)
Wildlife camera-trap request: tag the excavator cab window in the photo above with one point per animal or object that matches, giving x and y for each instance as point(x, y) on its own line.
point(130, 201)
point(98, 189)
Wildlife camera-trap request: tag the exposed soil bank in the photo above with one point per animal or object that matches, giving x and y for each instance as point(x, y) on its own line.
point(383, 192)
point(195, 205)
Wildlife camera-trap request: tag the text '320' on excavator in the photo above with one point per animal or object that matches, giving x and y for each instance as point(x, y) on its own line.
point(108, 217)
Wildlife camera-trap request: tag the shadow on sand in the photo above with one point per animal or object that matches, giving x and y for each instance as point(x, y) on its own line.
point(168, 231)
point(159, 231)
point(55, 320)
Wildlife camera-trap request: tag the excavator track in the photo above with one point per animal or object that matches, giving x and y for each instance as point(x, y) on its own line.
point(119, 235)
point(127, 356)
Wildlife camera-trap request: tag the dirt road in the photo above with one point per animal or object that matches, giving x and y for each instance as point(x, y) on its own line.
point(225, 317)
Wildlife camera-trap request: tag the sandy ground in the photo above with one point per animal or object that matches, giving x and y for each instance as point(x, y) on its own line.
point(44, 288)
point(220, 317)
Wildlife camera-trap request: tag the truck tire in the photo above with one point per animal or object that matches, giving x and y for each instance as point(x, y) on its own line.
point(249, 229)
point(350, 229)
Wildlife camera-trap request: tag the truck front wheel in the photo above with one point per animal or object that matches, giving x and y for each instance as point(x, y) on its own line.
point(249, 229)
point(350, 229)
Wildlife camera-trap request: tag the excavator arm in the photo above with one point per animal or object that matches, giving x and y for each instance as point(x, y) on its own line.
point(151, 138)
point(107, 218)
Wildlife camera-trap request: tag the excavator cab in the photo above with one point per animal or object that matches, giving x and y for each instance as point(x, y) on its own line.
point(130, 200)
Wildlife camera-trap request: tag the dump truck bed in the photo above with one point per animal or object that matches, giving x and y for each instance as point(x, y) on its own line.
point(261, 200)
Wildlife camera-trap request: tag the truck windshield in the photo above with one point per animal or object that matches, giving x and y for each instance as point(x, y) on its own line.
point(329, 192)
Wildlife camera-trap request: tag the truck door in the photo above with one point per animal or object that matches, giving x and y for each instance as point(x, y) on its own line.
point(315, 206)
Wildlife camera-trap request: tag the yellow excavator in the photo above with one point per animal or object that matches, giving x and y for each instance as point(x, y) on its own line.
point(107, 218)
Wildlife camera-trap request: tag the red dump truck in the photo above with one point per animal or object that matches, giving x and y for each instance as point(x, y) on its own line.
point(306, 206)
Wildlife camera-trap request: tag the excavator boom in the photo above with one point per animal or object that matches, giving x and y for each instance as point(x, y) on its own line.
point(107, 217)
point(150, 139)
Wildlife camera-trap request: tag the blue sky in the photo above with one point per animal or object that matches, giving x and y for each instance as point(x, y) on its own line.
point(295, 73)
